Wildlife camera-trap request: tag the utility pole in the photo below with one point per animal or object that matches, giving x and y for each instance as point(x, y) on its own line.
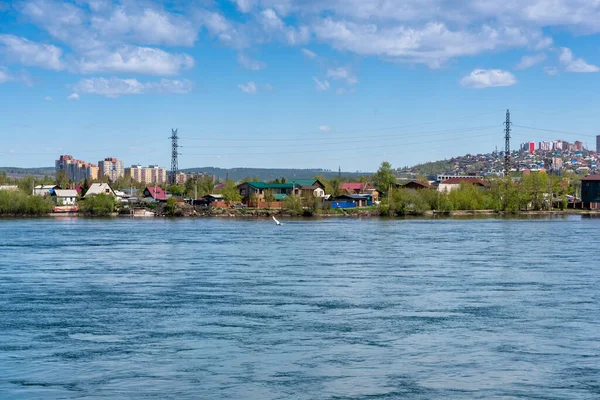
point(174, 154)
point(507, 144)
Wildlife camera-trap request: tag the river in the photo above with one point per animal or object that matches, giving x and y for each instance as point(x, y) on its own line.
point(314, 309)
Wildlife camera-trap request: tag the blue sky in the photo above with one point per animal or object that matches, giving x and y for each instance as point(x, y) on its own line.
point(290, 83)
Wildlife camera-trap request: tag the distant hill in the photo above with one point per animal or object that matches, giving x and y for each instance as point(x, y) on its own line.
point(19, 172)
point(268, 174)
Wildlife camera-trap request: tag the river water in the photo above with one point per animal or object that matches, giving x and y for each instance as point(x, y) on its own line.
point(314, 309)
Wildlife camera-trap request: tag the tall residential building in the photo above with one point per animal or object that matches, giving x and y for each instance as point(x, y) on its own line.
point(598, 144)
point(545, 146)
point(110, 167)
point(149, 174)
point(578, 145)
point(76, 170)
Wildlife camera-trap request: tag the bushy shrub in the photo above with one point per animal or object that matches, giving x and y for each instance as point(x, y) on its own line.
point(98, 205)
point(19, 203)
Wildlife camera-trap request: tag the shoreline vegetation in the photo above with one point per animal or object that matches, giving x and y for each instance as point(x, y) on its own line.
point(536, 193)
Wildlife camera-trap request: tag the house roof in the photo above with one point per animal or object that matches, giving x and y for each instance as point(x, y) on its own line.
point(356, 186)
point(313, 187)
point(65, 192)
point(457, 181)
point(264, 185)
point(46, 187)
point(214, 196)
point(99, 188)
point(354, 196)
point(219, 186)
point(156, 192)
point(595, 177)
point(417, 183)
point(280, 196)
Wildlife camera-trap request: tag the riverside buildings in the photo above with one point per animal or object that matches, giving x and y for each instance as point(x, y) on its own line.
point(149, 174)
point(110, 167)
point(76, 170)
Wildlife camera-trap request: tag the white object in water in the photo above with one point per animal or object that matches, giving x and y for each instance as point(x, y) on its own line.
point(276, 222)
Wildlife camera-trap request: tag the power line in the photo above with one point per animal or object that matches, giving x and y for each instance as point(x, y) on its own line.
point(388, 145)
point(554, 131)
point(363, 139)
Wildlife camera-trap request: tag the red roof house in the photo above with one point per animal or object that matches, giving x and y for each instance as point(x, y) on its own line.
point(156, 193)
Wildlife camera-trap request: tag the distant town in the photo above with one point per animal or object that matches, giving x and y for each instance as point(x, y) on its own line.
point(540, 176)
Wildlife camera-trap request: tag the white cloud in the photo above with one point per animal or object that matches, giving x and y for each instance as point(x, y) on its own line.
point(321, 86)
point(249, 87)
point(530, 61)
point(324, 128)
point(5, 76)
point(573, 64)
point(309, 54)
point(552, 71)
point(31, 53)
point(484, 78)
point(249, 63)
point(274, 26)
point(342, 73)
point(47, 98)
point(244, 6)
point(145, 26)
point(139, 60)
point(73, 96)
point(114, 87)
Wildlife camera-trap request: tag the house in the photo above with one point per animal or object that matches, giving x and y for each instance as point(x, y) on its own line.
point(99, 188)
point(416, 185)
point(449, 185)
point(590, 191)
point(64, 197)
point(312, 190)
point(351, 201)
point(308, 186)
point(154, 193)
point(219, 186)
point(279, 190)
point(9, 187)
point(359, 188)
point(44, 190)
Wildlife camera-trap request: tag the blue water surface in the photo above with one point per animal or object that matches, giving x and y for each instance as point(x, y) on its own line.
point(314, 309)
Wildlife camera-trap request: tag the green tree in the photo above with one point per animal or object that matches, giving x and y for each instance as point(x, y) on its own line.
point(230, 192)
point(26, 184)
point(98, 205)
point(384, 177)
point(170, 207)
point(269, 197)
point(177, 190)
point(61, 179)
point(293, 204)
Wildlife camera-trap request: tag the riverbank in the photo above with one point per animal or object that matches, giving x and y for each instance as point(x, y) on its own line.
point(352, 213)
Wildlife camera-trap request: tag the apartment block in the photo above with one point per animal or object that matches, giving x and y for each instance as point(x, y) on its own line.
point(149, 174)
point(110, 167)
point(76, 170)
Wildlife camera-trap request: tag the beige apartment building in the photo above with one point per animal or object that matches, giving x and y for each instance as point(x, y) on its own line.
point(76, 170)
point(149, 174)
point(110, 167)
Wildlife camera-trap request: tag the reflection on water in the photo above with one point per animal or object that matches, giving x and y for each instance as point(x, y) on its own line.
point(340, 308)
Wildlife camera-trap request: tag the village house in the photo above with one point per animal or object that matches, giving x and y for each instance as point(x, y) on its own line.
point(451, 184)
point(99, 188)
point(44, 190)
point(590, 191)
point(359, 188)
point(154, 194)
point(64, 197)
point(281, 191)
point(416, 185)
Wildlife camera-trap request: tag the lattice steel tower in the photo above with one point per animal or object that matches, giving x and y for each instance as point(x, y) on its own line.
point(507, 144)
point(174, 154)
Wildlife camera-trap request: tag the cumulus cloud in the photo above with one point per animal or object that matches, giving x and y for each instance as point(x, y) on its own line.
point(552, 71)
point(73, 96)
point(530, 61)
point(484, 78)
point(324, 128)
point(115, 87)
point(249, 87)
point(31, 53)
point(128, 59)
point(573, 64)
point(4, 75)
point(251, 64)
point(321, 86)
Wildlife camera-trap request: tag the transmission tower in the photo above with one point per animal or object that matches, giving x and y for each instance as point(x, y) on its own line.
point(174, 154)
point(507, 142)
